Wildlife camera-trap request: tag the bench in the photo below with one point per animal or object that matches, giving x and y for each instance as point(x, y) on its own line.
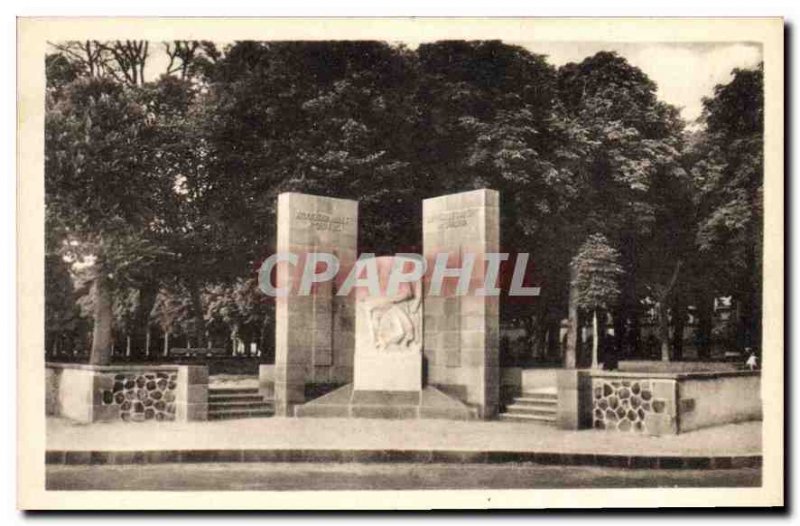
point(198, 352)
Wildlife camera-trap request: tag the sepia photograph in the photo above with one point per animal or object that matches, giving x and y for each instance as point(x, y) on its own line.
point(268, 258)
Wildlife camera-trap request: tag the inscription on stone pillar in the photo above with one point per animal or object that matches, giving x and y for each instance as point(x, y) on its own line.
point(313, 333)
point(462, 331)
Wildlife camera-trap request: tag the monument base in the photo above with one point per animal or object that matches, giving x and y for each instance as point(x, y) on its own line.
point(346, 402)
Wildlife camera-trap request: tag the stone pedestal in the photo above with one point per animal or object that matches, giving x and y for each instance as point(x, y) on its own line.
point(462, 331)
point(388, 354)
point(428, 403)
point(313, 333)
point(374, 372)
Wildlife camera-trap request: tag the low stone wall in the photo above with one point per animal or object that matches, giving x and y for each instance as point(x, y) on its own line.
point(538, 378)
point(657, 366)
point(714, 399)
point(128, 393)
point(656, 403)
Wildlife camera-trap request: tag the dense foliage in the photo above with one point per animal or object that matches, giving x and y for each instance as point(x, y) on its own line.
point(161, 194)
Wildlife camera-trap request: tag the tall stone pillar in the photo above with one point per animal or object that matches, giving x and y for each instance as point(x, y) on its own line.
point(461, 343)
point(314, 334)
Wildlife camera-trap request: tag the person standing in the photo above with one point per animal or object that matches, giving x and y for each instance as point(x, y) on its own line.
point(752, 360)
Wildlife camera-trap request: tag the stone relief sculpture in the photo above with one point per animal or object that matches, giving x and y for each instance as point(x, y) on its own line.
point(388, 342)
point(394, 322)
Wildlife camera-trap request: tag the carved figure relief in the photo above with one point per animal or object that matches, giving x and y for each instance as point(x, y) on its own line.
point(394, 322)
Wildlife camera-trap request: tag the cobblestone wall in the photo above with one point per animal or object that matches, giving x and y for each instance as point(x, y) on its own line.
point(143, 396)
point(643, 405)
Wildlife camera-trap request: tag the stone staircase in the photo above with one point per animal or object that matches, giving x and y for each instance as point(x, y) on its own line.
point(239, 402)
point(538, 405)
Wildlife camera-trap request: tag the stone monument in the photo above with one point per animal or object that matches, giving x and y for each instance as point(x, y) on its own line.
point(396, 353)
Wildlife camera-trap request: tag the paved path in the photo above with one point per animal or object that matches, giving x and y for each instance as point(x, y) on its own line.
point(230, 381)
point(353, 434)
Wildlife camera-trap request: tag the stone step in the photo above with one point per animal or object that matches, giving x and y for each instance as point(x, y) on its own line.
point(237, 402)
point(212, 399)
point(539, 402)
point(518, 417)
point(232, 391)
point(257, 404)
point(531, 411)
point(229, 415)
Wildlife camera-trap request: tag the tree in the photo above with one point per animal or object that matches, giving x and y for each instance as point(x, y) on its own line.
point(87, 58)
point(127, 60)
point(596, 279)
point(123, 61)
point(64, 323)
point(59, 71)
point(102, 192)
point(489, 117)
point(190, 58)
point(329, 118)
point(172, 313)
point(626, 146)
point(168, 187)
point(729, 172)
point(243, 309)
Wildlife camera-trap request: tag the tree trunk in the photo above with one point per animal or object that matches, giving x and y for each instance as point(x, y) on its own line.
point(678, 324)
point(620, 316)
point(595, 340)
point(103, 319)
point(197, 312)
point(141, 332)
point(635, 336)
point(166, 343)
point(751, 308)
point(553, 333)
point(662, 314)
point(662, 311)
point(705, 314)
point(267, 339)
point(748, 322)
point(537, 337)
point(573, 326)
